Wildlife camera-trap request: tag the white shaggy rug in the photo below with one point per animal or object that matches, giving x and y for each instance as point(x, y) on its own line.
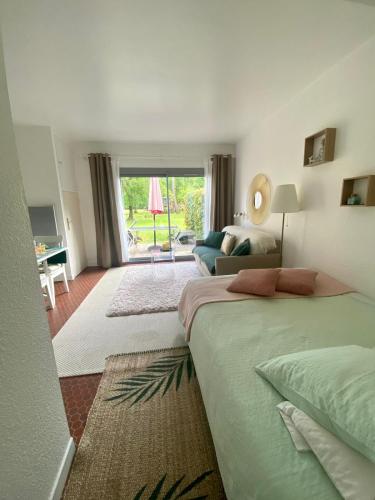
point(89, 336)
point(152, 288)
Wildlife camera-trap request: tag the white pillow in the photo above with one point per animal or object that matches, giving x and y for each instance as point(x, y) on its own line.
point(260, 241)
point(229, 242)
point(352, 473)
point(286, 409)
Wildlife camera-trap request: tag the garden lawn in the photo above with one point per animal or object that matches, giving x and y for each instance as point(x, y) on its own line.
point(143, 218)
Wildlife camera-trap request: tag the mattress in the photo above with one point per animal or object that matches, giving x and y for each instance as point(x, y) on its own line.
point(256, 457)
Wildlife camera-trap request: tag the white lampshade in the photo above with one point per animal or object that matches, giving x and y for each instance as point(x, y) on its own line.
point(285, 199)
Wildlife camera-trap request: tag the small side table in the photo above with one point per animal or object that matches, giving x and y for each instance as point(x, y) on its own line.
point(159, 256)
point(160, 271)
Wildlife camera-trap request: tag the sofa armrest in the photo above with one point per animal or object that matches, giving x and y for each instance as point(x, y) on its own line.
point(199, 243)
point(234, 264)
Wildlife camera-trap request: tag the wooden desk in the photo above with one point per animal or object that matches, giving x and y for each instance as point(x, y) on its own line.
point(43, 257)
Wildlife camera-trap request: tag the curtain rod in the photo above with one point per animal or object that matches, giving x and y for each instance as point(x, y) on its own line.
point(148, 157)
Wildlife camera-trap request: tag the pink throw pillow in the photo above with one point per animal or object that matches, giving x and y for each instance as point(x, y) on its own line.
point(255, 282)
point(298, 281)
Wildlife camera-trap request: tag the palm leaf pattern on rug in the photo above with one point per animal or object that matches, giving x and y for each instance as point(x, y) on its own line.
point(171, 493)
point(159, 376)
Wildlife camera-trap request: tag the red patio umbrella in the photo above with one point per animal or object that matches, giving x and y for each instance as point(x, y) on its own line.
point(155, 201)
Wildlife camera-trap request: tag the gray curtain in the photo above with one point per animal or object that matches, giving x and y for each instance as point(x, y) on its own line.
point(108, 240)
point(222, 192)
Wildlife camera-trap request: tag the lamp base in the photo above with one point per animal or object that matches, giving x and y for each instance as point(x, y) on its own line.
point(282, 241)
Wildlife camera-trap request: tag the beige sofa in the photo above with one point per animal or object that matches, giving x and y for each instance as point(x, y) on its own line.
point(265, 253)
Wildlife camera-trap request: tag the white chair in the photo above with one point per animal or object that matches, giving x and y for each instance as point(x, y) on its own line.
point(181, 236)
point(48, 289)
point(58, 269)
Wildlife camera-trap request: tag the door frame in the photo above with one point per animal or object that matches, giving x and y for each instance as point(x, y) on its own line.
point(167, 174)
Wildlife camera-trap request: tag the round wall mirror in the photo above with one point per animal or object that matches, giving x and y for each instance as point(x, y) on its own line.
point(259, 199)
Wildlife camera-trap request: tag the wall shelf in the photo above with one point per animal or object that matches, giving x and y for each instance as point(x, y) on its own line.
point(364, 185)
point(320, 146)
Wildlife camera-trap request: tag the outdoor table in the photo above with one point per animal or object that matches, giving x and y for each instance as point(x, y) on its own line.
point(151, 228)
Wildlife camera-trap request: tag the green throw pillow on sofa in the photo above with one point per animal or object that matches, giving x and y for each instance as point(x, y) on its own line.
point(242, 249)
point(214, 239)
point(334, 386)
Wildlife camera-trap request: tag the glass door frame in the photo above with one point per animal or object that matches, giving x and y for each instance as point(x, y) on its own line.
point(162, 173)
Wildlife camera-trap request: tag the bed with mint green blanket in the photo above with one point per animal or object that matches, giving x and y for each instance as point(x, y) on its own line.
point(256, 457)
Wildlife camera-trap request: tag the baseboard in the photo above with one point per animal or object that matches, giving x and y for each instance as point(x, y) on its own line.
point(62, 475)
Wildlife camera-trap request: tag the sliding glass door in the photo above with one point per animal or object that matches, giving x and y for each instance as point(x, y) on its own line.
point(163, 211)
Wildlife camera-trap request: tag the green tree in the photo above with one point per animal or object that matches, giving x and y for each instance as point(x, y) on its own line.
point(194, 211)
point(135, 193)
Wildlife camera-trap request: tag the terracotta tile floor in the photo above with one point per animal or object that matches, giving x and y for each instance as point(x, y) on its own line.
point(78, 395)
point(78, 392)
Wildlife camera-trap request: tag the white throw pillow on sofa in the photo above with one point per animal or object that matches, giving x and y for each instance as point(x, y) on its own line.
point(260, 241)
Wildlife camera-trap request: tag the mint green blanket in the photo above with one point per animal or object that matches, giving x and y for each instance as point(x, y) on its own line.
point(256, 457)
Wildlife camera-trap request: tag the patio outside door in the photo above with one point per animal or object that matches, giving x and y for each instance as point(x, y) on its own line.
point(163, 213)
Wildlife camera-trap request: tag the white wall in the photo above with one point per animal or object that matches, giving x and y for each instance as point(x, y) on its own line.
point(65, 164)
point(47, 167)
point(71, 206)
point(34, 431)
point(37, 159)
point(338, 240)
point(140, 155)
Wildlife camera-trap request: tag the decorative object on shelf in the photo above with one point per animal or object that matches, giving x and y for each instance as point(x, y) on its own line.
point(321, 151)
point(358, 191)
point(319, 147)
point(284, 201)
point(354, 199)
point(259, 199)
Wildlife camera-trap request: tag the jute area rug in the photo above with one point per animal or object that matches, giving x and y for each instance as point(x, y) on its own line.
point(151, 288)
point(147, 435)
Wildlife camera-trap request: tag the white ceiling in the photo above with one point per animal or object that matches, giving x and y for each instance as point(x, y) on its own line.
point(169, 70)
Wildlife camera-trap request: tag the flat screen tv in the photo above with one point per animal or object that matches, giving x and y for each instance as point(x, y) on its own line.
point(43, 221)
